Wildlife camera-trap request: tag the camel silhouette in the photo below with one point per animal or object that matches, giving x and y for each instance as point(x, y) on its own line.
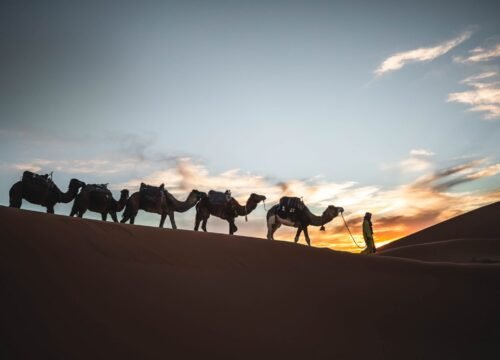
point(41, 190)
point(301, 218)
point(159, 201)
point(227, 211)
point(98, 198)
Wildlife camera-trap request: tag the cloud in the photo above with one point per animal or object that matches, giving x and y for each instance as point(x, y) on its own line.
point(85, 166)
point(482, 76)
point(484, 95)
point(398, 60)
point(421, 152)
point(480, 54)
point(418, 161)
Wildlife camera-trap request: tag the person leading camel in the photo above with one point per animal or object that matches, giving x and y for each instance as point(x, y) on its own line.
point(368, 234)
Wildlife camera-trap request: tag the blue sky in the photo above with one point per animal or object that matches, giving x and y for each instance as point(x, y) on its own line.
point(338, 102)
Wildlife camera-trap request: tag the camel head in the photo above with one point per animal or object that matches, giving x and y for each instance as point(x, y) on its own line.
point(199, 194)
point(124, 193)
point(76, 184)
point(256, 198)
point(332, 211)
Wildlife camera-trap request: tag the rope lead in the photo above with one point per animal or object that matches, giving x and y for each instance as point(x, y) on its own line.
point(347, 227)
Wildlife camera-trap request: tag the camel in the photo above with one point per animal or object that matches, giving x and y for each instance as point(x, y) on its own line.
point(227, 211)
point(302, 218)
point(41, 190)
point(99, 199)
point(159, 201)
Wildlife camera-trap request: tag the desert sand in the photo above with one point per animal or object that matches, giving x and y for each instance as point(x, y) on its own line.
point(84, 289)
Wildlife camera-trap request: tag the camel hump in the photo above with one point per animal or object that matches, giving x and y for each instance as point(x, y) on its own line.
point(217, 197)
point(289, 206)
point(292, 202)
point(98, 188)
point(151, 191)
point(33, 178)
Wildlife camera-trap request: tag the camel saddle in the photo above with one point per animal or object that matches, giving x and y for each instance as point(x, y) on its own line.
point(100, 188)
point(217, 198)
point(224, 206)
point(151, 192)
point(32, 178)
point(289, 206)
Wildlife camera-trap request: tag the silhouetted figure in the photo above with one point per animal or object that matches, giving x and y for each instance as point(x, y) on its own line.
point(368, 234)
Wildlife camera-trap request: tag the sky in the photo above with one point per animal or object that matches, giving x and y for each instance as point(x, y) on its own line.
point(391, 107)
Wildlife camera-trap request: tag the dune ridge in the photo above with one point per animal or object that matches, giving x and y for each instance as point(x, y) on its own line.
point(77, 288)
point(481, 223)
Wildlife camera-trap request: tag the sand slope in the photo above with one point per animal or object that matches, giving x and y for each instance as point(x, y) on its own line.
point(480, 223)
point(458, 250)
point(81, 289)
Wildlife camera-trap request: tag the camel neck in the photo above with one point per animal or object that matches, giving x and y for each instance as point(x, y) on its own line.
point(316, 220)
point(68, 195)
point(182, 206)
point(246, 209)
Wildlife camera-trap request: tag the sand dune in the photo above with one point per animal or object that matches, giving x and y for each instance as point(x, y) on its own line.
point(80, 289)
point(482, 223)
point(458, 250)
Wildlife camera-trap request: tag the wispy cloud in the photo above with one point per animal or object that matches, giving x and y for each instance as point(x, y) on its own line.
point(480, 54)
point(484, 95)
point(421, 152)
point(84, 166)
point(419, 160)
point(398, 60)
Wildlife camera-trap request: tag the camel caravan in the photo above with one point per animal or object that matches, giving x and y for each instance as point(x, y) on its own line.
point(291, 211)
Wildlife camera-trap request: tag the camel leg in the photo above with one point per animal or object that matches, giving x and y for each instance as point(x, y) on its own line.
point(16, 195)
point(130, 212)
point(204, 222)
point(104, 216)
point(81, 212)
point(15, 202)
point(232, 227)
point(306, 234)
point(197, 220)
point(297, 236)
point(272, 226)
point(74, 210)
point(129, 216)
point(50, 209)
point(270, 232)
point(171, 216)
point(162, 219)
point(113, 216)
